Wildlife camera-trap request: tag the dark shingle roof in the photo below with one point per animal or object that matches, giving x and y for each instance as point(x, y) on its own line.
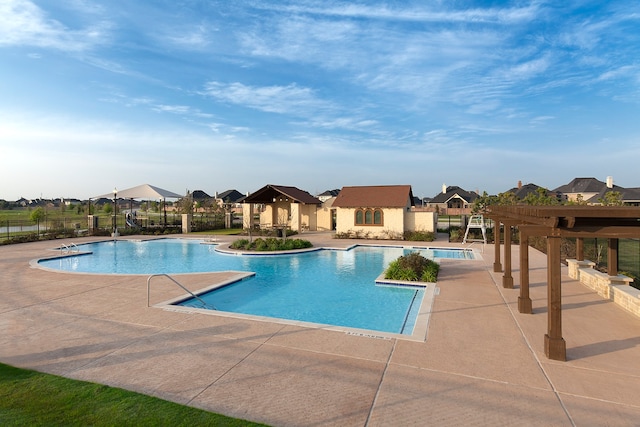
point(525, 190)
point(200, 195)
point(330, 193)
point(582, 185)
point(231, 196)
point(451, 192)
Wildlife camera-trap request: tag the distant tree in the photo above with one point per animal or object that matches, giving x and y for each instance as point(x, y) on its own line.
point(107, 208)
point(540, 198)
point(507, 198)
point(578, 201)
point(611, 198)
point(36, 216)
point(481, 203)
point(185, 204)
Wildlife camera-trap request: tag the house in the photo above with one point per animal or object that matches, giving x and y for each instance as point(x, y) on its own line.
point(326, 195)
point(592, 190)
point(383, 211)
point(281, 206)
point(453, 201)
point(229, 196)
point(200, 196)
point(521, 192)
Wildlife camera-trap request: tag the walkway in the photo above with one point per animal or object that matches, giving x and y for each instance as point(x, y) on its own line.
point(483, 362)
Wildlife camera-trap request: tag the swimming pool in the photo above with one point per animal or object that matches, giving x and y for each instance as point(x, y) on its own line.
point(330, 287)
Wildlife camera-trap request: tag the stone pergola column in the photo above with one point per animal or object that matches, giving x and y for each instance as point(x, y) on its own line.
point(555, 347)
point(524, 300)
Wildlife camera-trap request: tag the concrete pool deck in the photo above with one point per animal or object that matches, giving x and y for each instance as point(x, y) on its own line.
point(483, 363)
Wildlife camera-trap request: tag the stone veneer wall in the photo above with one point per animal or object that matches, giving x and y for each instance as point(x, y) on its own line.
point(615, 288)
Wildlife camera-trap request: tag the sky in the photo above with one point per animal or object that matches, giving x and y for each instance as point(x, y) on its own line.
point(215, 95)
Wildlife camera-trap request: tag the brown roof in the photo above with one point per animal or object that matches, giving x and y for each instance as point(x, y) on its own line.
point(381, 196)
point(267, 193)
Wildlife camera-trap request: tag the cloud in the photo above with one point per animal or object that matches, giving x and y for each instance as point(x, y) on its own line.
point(510, 15)
point(291, 99)
point(25, 24)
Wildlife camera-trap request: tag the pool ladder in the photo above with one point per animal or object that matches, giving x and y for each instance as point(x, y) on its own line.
point(71, 248)
point(204, 304)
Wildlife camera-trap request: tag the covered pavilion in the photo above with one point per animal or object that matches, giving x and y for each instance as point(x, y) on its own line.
point(142, 192)
point(283, 207)
point(554, 223)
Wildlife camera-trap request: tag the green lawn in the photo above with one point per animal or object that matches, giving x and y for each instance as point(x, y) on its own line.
point(30, 398)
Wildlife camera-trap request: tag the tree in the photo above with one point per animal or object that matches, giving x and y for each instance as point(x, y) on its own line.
point(107, 208)
point(578, 201)
point(541, 198)
point(611, 198)
point(185, 205)
point(36, 216)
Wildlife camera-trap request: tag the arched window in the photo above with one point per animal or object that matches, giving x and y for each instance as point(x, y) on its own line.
point(377, 217)
point(369, 216)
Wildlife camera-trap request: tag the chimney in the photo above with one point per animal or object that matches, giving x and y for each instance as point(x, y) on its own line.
point(519, 184)
point(444, 188)
point(609, 182)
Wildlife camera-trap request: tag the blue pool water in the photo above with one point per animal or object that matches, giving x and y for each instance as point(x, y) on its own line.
point(326, 286)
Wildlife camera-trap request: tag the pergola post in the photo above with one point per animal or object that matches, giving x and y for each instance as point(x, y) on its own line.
point(507, 278)
point(554, 345)
point(524, 300)
point(612, 258)
point(579, 249)
point(497, 267)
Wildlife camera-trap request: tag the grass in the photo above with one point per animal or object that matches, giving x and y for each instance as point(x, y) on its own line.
point(36, 399)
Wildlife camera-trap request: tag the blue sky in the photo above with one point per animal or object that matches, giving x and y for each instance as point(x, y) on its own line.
point(218, 95)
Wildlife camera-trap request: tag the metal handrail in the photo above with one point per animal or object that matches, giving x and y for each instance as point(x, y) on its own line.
point(204, 304)
point(69, 249)
point(472, 242)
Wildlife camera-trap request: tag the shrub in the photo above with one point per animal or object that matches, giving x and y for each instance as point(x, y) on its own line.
point(271, 244)
point(419, 236)
point(240, 244)
point(413, 267)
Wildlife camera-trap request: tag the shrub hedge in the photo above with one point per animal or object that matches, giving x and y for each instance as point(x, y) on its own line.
point(413, 267)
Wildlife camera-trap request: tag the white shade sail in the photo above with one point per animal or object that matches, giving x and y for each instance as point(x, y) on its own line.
point(144, 191)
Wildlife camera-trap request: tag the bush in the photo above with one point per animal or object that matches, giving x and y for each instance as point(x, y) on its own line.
point(240, 244)
point(413, 267)
point(419, 236)
point(271, 244)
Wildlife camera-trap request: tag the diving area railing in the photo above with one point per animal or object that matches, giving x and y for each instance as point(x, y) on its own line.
point(204, 304)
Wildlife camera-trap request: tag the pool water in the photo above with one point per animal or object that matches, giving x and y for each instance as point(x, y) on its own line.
point(332, 287)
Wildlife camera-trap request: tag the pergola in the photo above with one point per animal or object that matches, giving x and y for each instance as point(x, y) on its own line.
point(554, 223)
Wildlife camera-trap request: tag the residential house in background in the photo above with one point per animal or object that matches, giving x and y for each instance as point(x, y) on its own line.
point(326, 195)
point(522, 191)
point(453, 201)
point(592, 190)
